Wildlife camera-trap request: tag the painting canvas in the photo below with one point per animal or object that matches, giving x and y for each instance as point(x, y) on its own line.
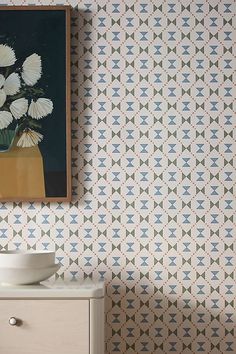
point(35, 103)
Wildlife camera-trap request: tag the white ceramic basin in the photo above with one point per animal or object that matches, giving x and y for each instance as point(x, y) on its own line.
point(27, 259)
point(25, 276)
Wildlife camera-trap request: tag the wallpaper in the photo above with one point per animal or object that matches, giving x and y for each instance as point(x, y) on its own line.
point(153, 173)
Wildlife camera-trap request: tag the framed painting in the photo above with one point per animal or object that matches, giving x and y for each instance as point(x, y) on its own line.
point(35, 120)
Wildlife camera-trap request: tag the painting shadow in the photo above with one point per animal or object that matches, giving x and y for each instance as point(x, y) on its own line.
point(81, 58)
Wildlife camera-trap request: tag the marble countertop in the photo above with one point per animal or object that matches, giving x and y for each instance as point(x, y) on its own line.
point(58, 289)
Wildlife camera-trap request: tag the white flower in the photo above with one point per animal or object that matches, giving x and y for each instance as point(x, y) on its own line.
point(19, 108)
point(8, 87)
point(32, 69)
point(3, 97)
point(29, 138)
point(2, 80)
point(12, 84)
point(41, 108)
point(7, 56)
point(5, 119)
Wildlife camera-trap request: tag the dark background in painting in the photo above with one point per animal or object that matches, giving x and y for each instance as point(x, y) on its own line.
point(44, 32)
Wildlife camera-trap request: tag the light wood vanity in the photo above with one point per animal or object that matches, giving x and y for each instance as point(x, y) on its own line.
point(59, 318)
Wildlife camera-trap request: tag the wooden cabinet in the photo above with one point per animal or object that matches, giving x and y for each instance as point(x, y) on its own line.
point(52, 320)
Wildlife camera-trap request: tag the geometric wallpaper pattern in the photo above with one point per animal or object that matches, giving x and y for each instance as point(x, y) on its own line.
point(153, 165)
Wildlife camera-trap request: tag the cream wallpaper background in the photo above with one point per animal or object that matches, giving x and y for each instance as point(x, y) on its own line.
point(153, 168)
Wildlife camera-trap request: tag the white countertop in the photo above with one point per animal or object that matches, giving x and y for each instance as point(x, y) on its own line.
point(58, 289)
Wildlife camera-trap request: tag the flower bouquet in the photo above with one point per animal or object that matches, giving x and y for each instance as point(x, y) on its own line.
point(22, 104)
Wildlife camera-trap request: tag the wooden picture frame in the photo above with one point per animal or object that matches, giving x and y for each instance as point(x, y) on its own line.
point(35, 104)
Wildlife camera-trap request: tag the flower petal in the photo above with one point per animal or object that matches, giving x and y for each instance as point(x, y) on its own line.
point(32, 69)
point(2, 80)
point(41, 108)
point(29, 138)
point(5, 119)
point(2, 98)
point(7, 56)
point(12, 84)
point(19, 107)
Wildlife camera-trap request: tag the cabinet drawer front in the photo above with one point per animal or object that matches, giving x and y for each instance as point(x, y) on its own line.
point(45, 327)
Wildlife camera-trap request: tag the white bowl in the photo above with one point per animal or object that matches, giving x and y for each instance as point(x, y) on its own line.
point(26, 259)
point(25, 276)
